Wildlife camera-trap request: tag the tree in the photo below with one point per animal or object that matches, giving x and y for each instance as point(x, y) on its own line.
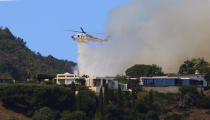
point(207, 77)
point(13, 118)
point(20, 62)
point(121, 78)
point(119, 96)
point(76, 115)
point(45, 113)
point(87, 102)
point(45, 76)
point(174, 117)
point(152, 115)
point(106, 94)
point(73, 87)
point(113, 112)
point(28, 98)
point(188, 96)
point(101, 100)
point(134, 83)
point(141, 70)
point(80, 81)
point(190, 66)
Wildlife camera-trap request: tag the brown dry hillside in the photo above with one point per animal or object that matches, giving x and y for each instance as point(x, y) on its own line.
point(5, 114)
point(198, 114)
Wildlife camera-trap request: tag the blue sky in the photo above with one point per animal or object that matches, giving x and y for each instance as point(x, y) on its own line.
point(41, 23)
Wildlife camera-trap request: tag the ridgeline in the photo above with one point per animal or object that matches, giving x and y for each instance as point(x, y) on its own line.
point(19, 62)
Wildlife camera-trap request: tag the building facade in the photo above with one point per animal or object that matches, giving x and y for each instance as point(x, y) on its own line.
point(195, 80)
point(95, 83)
point(66, 78)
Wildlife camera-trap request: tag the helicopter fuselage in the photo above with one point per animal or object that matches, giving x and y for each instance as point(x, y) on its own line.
point(82, 37)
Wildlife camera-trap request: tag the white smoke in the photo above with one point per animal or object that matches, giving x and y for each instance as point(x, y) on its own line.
point(162, 32)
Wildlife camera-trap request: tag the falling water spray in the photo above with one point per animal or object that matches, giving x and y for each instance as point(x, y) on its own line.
point(162, 32)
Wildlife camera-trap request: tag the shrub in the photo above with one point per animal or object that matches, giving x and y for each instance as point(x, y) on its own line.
point(203, 102)
point(152, 115)
point(45, 113)
point(13, 118)
point(87, 102)
point(174, 117)
point(27, 98)
point(76, 115)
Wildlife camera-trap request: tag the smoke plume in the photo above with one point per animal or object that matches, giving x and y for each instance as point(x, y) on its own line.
point(163, 32)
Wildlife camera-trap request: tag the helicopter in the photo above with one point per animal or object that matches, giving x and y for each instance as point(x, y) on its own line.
point(82, 36)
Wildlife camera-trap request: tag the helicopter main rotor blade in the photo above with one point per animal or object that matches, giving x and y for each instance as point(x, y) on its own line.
point(73, 31)
point(82, 30)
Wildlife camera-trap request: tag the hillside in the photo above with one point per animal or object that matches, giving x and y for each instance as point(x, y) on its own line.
point(20, 62)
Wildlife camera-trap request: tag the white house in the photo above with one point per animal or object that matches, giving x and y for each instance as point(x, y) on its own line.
point(95, 83)
point(66, 78)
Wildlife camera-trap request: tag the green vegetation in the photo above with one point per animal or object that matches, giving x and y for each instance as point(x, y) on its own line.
point(45, 113)
point(76, 115)
point(190, 66)
point(28, 98)
point(190, 97)
point(46, 101)
point(17, 60)
point(51, 102)
point(13, 118)
point(175, 117)
point(137, 71)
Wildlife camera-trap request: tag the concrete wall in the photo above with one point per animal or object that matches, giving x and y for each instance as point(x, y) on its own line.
point(168, 89)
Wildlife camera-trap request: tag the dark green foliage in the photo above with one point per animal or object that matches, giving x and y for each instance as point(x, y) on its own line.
point(60, 103)
point(152, 115)
point(204, 102)
point(76, 115)
point(13, 118)
point(28, 98)
point(190, 66)
point(87, 102)
point(73, 87)
point(36, 100)
point(22, 63)
point(45, 113)
point(101, 100)
point(45, 76)
point(153, 101)
point(80, 81)
point(119, 96)
point(139, 70)
point(188, 97)
point(174, 117)
point(113, 112)
point(106, 94)
point(133, 83)
point(121, 78)
point(207, 76)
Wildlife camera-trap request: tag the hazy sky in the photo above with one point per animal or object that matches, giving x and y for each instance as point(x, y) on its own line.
point(41, 23)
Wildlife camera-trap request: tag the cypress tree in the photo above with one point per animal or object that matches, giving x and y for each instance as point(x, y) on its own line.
point(106, 94)
point(101, 101)
point(119, 96)
point(73, 87)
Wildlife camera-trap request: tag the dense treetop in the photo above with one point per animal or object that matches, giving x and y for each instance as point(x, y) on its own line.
point(190, 66)
point(21, 63)
point(141, 70)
